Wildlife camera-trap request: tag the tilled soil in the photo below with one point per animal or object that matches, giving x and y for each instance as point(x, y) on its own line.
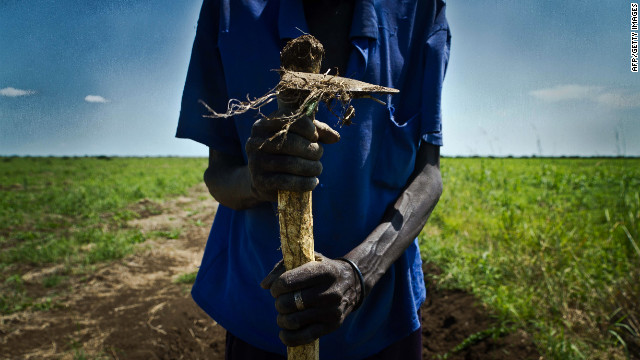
point(134, 309)
point(451, 316)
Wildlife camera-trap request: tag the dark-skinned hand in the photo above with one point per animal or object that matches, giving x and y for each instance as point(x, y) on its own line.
point(290, 162)
point(330, 290)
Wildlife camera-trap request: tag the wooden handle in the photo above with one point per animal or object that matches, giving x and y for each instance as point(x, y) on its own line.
point(296, 237)
point(294, 209)
point(296, 228)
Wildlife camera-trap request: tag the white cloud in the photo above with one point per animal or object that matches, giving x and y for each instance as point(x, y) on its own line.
point(597, 94)
point(13, 92)
point(566, 92)
point(95, 99)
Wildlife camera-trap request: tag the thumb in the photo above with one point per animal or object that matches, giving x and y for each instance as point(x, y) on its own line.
point(325, 133)
point(278, 270)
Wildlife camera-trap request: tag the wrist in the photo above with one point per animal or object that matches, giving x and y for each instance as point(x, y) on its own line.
point(359, 280)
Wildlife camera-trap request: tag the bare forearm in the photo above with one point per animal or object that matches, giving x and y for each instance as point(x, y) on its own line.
point(402, 222)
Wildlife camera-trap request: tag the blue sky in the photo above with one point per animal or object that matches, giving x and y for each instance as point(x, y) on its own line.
point(543, 77)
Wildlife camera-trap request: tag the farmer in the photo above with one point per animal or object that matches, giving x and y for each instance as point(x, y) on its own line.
point(374, 183)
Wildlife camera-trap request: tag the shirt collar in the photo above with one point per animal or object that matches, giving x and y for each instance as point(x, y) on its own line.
point(291, 21)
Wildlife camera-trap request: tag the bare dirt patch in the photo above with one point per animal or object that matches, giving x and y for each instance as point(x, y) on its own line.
point(451, 316)
point(134, 309)
point(129, 309)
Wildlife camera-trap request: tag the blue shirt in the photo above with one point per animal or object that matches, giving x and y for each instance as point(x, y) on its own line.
point(404, 45)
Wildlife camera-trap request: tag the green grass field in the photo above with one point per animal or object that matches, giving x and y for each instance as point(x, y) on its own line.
point(550, 244)
point(73, 212)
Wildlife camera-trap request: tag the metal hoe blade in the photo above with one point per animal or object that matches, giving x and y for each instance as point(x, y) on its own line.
point(292, 80)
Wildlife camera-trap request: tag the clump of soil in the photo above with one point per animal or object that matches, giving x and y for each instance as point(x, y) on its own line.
point(302, 54)
point(145, 208)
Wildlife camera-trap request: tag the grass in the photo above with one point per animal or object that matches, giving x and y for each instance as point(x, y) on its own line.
point(550, 244)
point(493, 332)
point(187, 278)
point(73, 211)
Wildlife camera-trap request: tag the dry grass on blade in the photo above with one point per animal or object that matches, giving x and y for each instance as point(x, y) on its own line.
point(308, 93)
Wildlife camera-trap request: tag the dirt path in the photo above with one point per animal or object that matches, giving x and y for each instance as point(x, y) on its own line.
point(134, 309)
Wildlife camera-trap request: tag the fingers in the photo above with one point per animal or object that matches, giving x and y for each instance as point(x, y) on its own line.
point(273, 274)
point(317, 297)
point(286, 303)
point(325, 133)
point(276, 182)
point(303, 126)
point(326, 293)
point(289, 165)
point(302, 319)
point(315, 273)
point(308, 128)
point(285, 156)
point(306, 335)
point(292, 144)
point(296, 171)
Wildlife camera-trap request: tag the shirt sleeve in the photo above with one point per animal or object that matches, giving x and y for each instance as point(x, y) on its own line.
point(205, 81)
point(436, 60)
